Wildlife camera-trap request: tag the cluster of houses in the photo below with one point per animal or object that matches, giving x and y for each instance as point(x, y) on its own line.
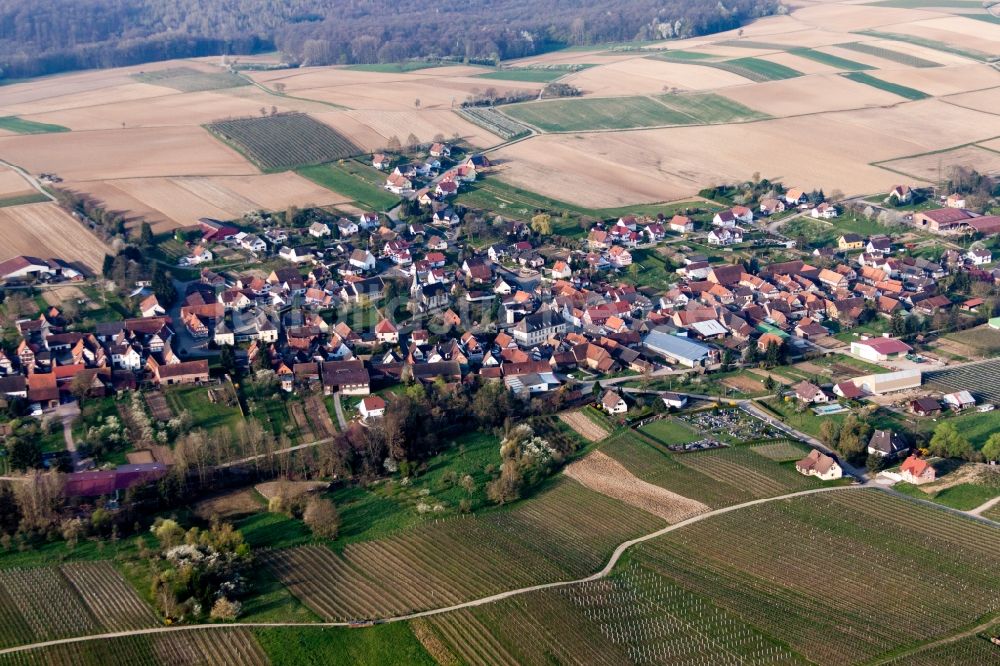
point(50, 364)
point(430, 180)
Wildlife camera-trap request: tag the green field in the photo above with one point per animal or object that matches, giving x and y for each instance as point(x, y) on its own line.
point(573, 115)
point(889, 54)
point(709, 108)
point(529, 75)
point(682, 55)
point(963, 496)
point(982, 339)
point(894, 88)
point(284, 141)
point(188, 79)
point(394, 67)
point(206, 414)
point(361, 183)
point(387, 644)
point(669, 431)
point(36, 197)
point(22, 126)
point(756, 69)
point(830, 59)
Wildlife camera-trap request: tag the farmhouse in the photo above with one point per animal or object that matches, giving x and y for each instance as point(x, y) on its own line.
point(188, 372)
point(917, 470)
point(877, 350)
point(941, 220)
point(901, 194)
point(347, 377)
point(819, 465)
point(23, 266)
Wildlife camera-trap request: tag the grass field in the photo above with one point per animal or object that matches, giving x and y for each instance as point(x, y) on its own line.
point(830, 59)
point(187, 79)
point(525, 74)
point(682, 56)
point(963, 496)
point(314, 646)
point(22, 126)
point(894, 88)
point(982, 339)
point(353, 180)
point(284, 141)
point(781, 451)
point(755, 69)
point(746, 563)
point(208, 415)
point(669, 431)
point(23, 199)
point(393, 67)
point(571, 115)
point(889, 54)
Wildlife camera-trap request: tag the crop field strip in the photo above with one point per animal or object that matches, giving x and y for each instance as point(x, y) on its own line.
point(284, 141)
point(741, 467)
point(975, 649)
point(187, 79)
point(972, 54)
point(493, 121)
point(780, 451)
point(981, 379)
point(47, 603)
point(567, 532)
point(211, 647)
point(773, 565)
point(633, 112)
point(22, 126)
point(889, 54)
point(755, 69)
point(829, 59)
point(894, 88)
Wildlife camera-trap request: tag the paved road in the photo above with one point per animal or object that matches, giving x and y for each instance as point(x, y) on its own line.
point(340, 411)
point(615, 557)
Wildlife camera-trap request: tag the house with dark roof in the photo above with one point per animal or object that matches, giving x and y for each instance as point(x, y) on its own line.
point(887, 444)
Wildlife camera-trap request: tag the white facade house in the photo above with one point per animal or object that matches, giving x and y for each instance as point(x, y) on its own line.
point(372, 407)
point(613, 403)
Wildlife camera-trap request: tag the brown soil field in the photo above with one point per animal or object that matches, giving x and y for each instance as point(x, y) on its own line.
point(810, 94)
point(401, 95)
point(956, 31)
point(837, 17)
point(167, 203)
point(12, 184)
point(62, 293)
point(229, 505)
point(125, 153)
point(45, 230)
point(649, 76)
point(196, 108)
point(744, 384)
point(609, 477)
point(425, 124)
point(355, 129)
point(271, 489)
point(123, 93)
point(583, 426)
point(612, 169)
point(36, 91)
point(778, 378)
point(981, 100)
point(596, 56)
point(944, 80)
point(935, 166)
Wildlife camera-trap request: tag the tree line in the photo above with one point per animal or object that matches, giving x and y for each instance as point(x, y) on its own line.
point(50, 36)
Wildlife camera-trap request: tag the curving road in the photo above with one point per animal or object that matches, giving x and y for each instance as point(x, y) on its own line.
point(612, 561)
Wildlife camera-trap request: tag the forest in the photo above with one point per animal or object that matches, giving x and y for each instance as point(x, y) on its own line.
point(49, 36)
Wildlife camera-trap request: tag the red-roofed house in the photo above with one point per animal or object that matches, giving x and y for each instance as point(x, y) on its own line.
point(917, 470)
point(372, 407)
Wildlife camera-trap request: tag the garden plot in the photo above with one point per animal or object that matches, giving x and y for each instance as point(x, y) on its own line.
point(609, 477)
point(583, 426)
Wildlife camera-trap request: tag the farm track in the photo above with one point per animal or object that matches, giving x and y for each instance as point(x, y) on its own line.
point(602, 573)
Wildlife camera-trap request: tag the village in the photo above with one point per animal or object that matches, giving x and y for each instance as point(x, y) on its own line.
point(800, 336)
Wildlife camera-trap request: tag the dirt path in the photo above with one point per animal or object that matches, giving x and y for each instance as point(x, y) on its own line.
point(583, 426)
point(619, 551)
point(941, 641)
point(340, 411)
point(985, 506)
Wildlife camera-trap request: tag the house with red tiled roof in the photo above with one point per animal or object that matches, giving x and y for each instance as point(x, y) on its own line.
point(386, 332)
point(917, 470)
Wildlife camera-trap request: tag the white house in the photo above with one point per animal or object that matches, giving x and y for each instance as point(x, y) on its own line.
point(253, 243)
point(296, 255)
point(372, 407)
point(150, 307)
point(681, 224)
point(318, 230)
point(675, 400)
point(979, 256)
point(824, 211)
point(819, 465)
point(199, 255)
point(724, 236)
point(386, 333)
point(613, 403)
point(878, 350)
